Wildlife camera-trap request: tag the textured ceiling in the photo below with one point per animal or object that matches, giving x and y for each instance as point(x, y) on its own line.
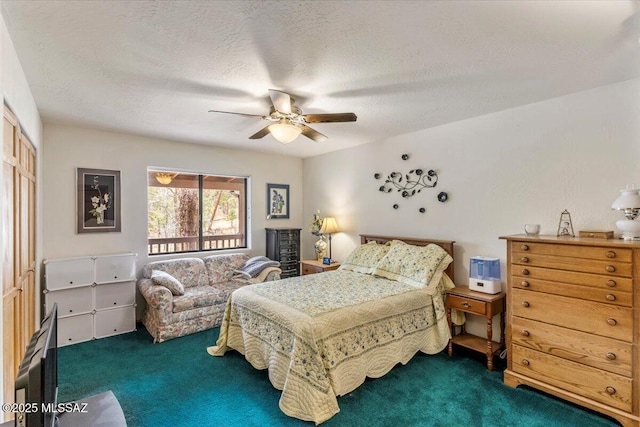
point(156, 68)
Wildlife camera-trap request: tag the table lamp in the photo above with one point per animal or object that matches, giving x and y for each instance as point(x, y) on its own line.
point(329, 226)
point(629, 203)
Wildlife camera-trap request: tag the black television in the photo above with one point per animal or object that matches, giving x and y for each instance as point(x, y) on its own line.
point(36, 387)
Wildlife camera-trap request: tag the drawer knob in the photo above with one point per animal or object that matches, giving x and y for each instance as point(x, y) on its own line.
point(525, 362)
point(466, 304)
point(525, 303)
point(610, 297)
point(525, 284)
point(610, 254)
point(612, 321)
point(611, 283)
point(525, 333)
point(611, 390)
point(524, 259)
point(610, 268)
point(524, 247)
point(611, 356)
point(525, 271)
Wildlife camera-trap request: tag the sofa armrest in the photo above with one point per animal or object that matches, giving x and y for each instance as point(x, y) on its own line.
point(273, 275)
point(158, 297)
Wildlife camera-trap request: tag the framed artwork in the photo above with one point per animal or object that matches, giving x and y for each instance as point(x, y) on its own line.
point(98, 200)
point(277, 201)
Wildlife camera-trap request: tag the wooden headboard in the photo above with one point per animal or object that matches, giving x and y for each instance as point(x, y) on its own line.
point(447, 245)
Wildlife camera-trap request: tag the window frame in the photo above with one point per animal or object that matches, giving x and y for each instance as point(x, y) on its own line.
point(201, 176)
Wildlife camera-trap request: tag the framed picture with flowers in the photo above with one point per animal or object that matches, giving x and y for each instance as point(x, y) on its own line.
point(98, 201)
point(277, 201)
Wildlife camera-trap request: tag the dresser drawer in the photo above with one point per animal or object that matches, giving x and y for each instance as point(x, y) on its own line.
point(573, 251)
point(587, 316)
point(593, 350)
point(604, 387)
point(525, 273)
point(598, 294)
point(582, 265)
point(467, 304)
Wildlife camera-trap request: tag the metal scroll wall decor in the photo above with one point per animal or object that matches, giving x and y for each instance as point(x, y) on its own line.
point(411, 183)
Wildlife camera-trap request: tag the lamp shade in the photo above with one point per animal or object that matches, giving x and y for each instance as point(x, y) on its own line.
point(284, 131)
point(329, 226)
point(629, 203)
point(628, 199)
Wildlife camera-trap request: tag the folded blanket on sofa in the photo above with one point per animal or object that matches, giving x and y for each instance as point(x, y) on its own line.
point(254, 266)
point(260, 277)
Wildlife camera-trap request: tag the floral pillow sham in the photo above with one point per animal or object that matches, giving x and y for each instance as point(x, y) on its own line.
point(419, 266)
point(168, 281)
point(364, 258)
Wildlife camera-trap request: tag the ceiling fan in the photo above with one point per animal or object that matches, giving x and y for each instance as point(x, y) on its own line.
point(288, 120)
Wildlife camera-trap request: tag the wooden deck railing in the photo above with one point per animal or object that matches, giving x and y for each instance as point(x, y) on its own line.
point(185, 244)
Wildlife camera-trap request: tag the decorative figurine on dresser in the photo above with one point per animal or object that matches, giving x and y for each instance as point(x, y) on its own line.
point(573, 318)
point(95, 294)
point(283, 245)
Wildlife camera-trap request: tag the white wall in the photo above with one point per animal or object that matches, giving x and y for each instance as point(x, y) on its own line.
point(15, 93)
point(67, 148)
point(524, 165)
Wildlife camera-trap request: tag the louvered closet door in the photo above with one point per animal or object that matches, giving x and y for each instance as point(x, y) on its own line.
point(18, 231)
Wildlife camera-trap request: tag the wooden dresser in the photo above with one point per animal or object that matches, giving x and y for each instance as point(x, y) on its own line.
point(573, 321)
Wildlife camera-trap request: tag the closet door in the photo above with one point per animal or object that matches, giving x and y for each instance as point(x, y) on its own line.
point(18, 258)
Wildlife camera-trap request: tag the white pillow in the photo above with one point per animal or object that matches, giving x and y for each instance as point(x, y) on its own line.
point(168, 281)
point(419, 266)
point(364, 258)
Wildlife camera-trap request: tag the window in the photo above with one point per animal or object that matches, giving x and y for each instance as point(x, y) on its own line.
point(195, 212)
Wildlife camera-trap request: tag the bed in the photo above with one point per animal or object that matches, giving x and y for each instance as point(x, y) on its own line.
point(320, 336)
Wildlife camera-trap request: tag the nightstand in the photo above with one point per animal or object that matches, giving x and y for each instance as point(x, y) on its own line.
point(480, 304)
point(310, 266)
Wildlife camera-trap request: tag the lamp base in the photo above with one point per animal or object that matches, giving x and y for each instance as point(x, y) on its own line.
point(630, 229)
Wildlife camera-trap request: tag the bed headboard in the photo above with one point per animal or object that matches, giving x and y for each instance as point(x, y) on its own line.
point(447, 245)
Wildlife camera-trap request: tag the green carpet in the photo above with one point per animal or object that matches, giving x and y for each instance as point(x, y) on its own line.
point(177, 383)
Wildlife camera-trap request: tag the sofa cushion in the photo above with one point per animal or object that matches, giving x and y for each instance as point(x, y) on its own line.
point(220, 268)
point(188, 271)
point(168, 281)
point(197, 297)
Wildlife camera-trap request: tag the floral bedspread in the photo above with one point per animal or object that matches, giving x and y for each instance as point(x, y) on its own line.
point(321, 335)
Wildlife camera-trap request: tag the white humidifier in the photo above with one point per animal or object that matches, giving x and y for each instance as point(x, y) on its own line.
point(484, 275)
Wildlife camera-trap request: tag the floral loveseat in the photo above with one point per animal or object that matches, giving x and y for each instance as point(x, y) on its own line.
point(206, 283)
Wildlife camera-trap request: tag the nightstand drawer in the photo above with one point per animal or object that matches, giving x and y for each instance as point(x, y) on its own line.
point(467, 304)
point(310, 269)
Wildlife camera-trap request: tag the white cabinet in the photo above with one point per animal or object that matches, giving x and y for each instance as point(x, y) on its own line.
point(95, 295)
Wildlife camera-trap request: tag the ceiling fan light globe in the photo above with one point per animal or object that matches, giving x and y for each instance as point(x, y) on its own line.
point(164, 178)
point(284, 132)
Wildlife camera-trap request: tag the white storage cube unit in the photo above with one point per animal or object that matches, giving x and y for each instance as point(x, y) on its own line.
point(95, 295)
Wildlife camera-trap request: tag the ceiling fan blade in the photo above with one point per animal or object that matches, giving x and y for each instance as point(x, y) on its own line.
point(261, 133)
point(281, 101)
point(330, 118)
point(313, 134)
point(240, 114)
